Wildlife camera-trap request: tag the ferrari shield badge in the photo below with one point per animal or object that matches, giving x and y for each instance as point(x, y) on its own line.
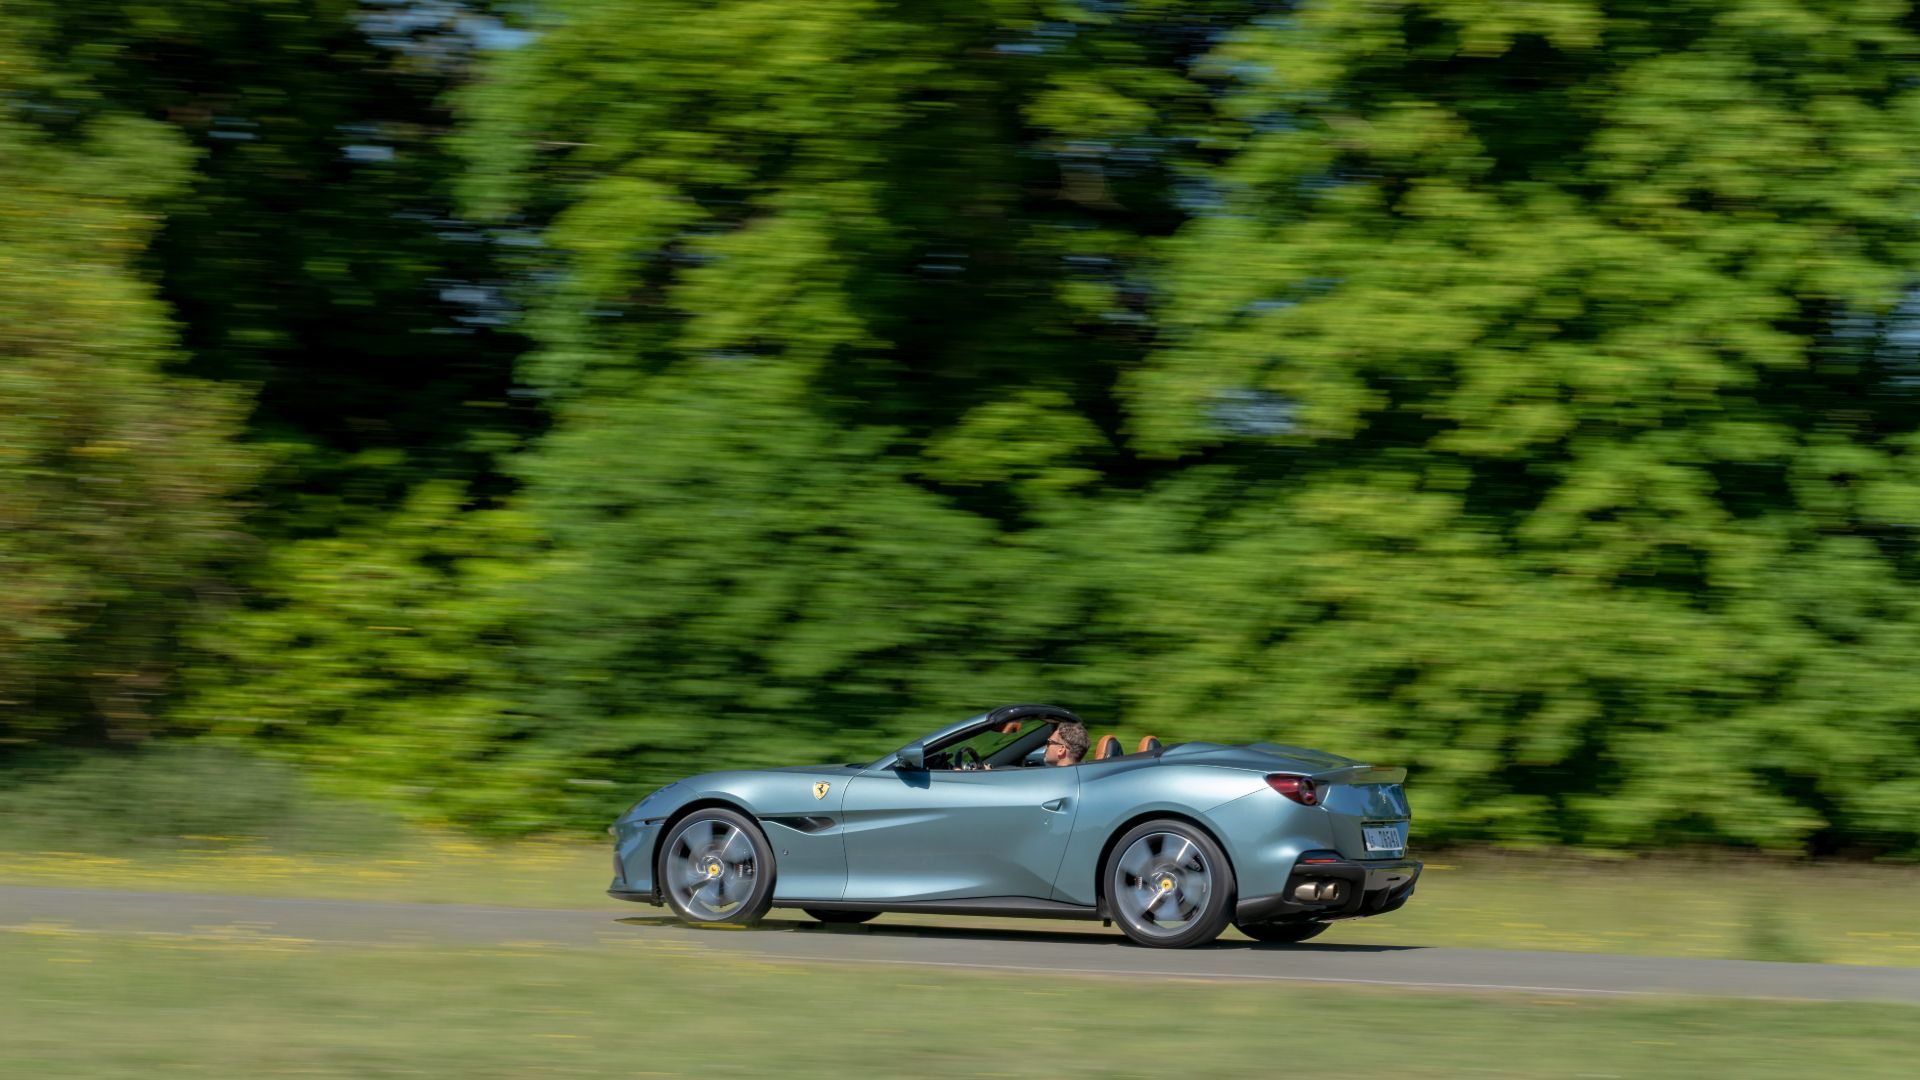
point(820, 789)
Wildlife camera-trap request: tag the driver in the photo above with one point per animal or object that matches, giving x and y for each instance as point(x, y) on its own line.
point(1065, 746)
point(1068, 744)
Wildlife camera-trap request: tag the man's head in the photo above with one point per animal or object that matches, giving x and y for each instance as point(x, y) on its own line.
point(1068, 744)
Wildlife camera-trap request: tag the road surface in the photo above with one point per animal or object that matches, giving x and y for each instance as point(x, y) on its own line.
point(1066, 948)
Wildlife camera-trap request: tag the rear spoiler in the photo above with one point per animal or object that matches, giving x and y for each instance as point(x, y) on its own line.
point(1363, 774)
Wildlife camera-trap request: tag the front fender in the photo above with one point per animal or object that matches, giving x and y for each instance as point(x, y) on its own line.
point(797, 809)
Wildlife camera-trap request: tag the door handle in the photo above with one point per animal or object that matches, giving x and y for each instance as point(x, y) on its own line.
point(1055, 805)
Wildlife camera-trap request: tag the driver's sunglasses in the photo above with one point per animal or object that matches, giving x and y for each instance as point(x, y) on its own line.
point(1056, 742)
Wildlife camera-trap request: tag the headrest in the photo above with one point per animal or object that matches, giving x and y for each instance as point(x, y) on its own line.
point(1109, 747)
point(1148, 743)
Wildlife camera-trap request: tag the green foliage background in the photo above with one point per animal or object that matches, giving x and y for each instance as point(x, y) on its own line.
point(1528, 394)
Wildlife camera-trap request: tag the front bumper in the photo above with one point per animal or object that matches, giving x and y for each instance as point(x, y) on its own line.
point(1372, 888)
point(633, 843)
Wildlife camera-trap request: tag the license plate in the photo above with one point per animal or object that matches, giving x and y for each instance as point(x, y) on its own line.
point(1383, 838)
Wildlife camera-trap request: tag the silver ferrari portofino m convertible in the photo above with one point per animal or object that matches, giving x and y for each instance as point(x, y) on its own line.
point(1173, 842)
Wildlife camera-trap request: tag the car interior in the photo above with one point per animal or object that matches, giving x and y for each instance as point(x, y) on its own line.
point(1017, 744)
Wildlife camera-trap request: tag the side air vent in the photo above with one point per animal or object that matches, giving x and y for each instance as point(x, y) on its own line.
point(802, 823)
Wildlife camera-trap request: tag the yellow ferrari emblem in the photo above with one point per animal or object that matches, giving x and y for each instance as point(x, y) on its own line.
point(820, 789)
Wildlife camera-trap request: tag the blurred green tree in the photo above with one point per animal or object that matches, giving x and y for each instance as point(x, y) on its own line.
point(787, 245)
point(1528, 395)
point(383, 655)
point(314, 257)
point(294, 211)
point(1591, 324)
point(115, 472)
point(1468, 387)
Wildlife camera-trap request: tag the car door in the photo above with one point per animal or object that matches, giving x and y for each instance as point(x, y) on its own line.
point(940, 835)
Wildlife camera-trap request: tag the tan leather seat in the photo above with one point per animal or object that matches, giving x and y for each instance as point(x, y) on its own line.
point(1148, 744)
point(1109, 746)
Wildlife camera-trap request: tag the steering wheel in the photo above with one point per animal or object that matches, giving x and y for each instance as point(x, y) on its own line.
point(966, 759)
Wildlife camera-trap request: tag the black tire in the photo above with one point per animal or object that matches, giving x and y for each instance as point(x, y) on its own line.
point(844, 917)
point(1290, 933)
point(715, 866)
point(1175, 864)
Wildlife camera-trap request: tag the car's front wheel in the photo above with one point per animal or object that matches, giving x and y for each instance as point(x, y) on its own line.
point(1168, 885)
point(716, 866)
point(1283, 932)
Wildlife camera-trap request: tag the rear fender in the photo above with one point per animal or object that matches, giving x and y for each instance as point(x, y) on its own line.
point(1113, 797)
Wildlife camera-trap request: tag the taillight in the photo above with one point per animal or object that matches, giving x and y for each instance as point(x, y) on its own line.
point(1298, 788)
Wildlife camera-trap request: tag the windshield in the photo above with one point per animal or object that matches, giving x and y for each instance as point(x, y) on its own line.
point(999, 744)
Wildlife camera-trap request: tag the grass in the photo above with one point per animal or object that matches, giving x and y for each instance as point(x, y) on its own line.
point(81, 1005)
point(1704, 907)
point(150, 797)
point(427, 867)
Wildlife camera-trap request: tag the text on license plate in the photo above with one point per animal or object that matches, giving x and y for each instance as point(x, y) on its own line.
point(1383, 837)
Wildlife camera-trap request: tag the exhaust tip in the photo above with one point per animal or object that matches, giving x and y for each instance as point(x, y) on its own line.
point(1319, 892)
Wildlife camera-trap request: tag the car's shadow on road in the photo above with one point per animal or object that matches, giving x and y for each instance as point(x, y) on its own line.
point(921, 931)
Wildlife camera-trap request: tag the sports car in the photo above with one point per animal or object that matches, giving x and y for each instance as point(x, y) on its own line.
point(1171, 842)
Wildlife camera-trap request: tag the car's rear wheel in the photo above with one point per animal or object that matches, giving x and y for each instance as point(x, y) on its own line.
point(1169, 886)
point(716, 866)
point(1284, 932)
point(826, 916)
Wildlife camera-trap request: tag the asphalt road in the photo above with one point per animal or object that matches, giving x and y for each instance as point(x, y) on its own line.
point(1057, 949)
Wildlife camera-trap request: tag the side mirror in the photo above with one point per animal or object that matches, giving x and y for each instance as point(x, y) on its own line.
point(911, 756)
